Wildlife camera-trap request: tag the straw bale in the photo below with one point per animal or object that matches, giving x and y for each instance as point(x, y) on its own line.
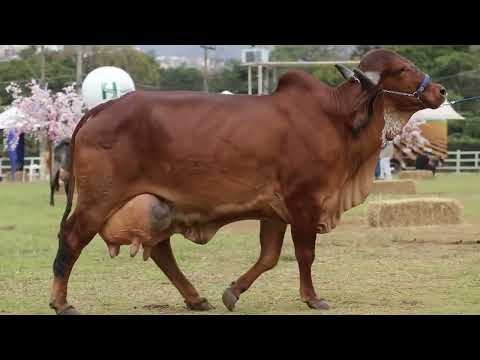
point(414, 212)
point(394, 187)
point(415, 174)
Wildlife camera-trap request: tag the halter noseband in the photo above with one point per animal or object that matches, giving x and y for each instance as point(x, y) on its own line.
point(416, 94)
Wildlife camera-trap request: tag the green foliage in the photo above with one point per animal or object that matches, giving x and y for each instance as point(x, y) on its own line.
point(142, 67)
point(329, 75)
point(233, 77)
point(181, 78)
point(61, 66)
point(302, 53)
point(464, 135)
point(60, 70)
point(361, 50)
point(464, 144)
point(470, 127)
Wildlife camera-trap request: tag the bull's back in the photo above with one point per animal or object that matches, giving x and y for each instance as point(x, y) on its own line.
point(196, 150)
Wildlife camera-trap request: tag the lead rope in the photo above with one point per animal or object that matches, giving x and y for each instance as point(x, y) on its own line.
point(461, 100)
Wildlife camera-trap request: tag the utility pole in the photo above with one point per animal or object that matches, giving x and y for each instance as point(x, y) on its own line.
point(205, 64)
point(45, 144)
point(42, 65)
point(79, 67)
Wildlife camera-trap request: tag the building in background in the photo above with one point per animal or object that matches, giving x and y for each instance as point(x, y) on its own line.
point(11, 52)
point(168, 62)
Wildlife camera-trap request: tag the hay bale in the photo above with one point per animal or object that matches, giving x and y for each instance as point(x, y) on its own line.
point(414, 212)
point(415, 174)
point(394, 187)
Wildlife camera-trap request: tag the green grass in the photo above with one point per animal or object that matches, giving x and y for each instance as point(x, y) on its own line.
point(359, 270)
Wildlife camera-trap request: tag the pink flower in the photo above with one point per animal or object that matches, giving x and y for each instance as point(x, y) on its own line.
point(54, 115)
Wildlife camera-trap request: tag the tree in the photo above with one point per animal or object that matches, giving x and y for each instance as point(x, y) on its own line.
point(327, 74)
point(361, 50)
point(142, 67)
point(232, 77)
point(45, 114)
point(60, 71)
point(309, 52)
point(181, 78)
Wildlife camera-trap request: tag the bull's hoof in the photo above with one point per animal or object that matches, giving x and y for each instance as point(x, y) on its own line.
point(229, 299)
point(318, 304)
point(203, 305)
point(69, 310)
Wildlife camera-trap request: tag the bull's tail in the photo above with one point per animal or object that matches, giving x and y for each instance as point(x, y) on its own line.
point(71, 180)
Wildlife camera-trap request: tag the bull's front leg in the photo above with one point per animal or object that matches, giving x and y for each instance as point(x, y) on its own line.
point(304, 237)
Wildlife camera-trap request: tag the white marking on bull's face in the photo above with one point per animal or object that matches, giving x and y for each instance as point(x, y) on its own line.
point(374, 76)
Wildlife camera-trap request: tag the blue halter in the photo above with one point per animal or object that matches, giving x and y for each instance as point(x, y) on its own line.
point(416, 94)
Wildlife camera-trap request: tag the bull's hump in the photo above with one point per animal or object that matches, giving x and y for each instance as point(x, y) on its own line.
point(299, 80)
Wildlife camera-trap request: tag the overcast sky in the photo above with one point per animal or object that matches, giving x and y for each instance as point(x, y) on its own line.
point(229, 51)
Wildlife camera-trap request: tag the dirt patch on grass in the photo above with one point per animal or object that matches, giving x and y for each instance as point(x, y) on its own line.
point(156, 307)
point(7, 228)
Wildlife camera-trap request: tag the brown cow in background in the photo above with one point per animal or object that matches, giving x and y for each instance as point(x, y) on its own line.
point(152, 164)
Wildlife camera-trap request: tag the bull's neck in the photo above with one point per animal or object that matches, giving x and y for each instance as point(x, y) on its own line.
point(367, 142)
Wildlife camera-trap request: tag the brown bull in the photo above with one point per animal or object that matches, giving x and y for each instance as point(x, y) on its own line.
point(152, 164)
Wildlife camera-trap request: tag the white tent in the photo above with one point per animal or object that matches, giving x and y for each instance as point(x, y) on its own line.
point(444, 112)
point(11, 118)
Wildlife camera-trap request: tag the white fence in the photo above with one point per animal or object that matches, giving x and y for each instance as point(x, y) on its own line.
point(32, 169)
point(459, 161)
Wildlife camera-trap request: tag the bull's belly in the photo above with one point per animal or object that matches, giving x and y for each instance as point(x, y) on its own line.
point(145, 221)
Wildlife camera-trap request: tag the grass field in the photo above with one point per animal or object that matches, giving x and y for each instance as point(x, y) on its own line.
point(358, 270)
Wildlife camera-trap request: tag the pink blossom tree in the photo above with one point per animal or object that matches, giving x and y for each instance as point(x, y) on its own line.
point(45, 114)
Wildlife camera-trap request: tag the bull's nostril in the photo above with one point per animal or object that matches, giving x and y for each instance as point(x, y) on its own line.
point(443, 91)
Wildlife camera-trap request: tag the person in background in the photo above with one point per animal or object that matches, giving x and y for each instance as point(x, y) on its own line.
point(12, 140)
point(385, 156)
point(377, 170)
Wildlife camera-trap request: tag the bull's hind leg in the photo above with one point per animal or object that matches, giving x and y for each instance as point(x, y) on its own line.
point(163, 257)
point(272, 233)
point(79, 230)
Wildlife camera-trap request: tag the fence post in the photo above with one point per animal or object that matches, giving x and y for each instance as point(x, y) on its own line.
point(458, 161)
point(477, 160)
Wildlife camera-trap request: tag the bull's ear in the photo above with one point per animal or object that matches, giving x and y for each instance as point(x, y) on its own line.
point(368, 80)
point(374, 76)
point(346, 72)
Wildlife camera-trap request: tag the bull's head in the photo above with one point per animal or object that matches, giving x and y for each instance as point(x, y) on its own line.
point(405, 89)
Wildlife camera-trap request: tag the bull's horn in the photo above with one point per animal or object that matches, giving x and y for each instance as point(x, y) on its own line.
point(346, 72)
point(368, 80)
